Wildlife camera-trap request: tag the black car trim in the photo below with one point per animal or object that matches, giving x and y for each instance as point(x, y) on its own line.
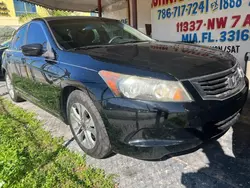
point(228, 122)
point(223, 122)
point(210, 75)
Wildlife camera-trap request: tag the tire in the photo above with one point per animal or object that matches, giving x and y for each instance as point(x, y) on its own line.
point(87, 125)
point(11, 90)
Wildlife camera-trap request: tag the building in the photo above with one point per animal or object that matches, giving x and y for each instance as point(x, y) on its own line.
point(122, 10)
point(11, 10)
point(211, 23)
point(119, 10)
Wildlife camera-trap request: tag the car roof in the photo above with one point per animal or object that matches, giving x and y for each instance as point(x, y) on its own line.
point(66, 18)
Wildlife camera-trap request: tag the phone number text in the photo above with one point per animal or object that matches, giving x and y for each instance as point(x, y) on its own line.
point(195, 8)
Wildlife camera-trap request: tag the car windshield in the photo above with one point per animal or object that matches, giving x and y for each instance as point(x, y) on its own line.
point(83, 33)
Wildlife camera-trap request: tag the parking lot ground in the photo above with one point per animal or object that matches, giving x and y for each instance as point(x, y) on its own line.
point(222, 163)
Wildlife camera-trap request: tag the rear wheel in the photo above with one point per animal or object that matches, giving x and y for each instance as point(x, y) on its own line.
point(11, 90)
point(87, 126)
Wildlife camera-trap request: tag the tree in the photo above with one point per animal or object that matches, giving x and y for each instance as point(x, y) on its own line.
point(6, 33)
point(59, 13)
point(3, 9)
point(27, 17)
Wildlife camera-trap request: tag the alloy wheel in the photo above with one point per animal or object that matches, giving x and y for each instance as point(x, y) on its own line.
point(83, 125)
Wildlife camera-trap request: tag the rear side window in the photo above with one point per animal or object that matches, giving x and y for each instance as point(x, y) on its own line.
point(19, 38)
point(36, 35)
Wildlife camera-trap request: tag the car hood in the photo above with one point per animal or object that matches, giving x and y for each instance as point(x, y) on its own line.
point(180, 60)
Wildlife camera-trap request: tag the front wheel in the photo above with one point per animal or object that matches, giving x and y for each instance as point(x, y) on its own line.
point(11, 90)
point(87, 125)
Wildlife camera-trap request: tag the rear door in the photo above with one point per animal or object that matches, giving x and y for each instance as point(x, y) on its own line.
point(14, 57)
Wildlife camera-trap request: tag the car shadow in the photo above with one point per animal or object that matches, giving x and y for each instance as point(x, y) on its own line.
point(241, 134)
point(223, 170)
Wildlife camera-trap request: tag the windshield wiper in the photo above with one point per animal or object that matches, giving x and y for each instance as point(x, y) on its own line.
point(102, 46)
point(133, 41)
point(86, 47)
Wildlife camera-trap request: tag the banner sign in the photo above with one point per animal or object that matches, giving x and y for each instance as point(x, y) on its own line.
point(223, 24)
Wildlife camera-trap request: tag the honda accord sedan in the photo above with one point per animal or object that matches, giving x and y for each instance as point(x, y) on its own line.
point(121, 91)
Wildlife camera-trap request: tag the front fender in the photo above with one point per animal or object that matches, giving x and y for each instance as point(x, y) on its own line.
point(98, 92)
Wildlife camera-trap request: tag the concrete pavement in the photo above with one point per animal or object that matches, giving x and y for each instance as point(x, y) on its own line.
point(222, 163)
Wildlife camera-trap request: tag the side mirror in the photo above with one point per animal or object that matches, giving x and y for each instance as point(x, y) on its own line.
point(32, 49)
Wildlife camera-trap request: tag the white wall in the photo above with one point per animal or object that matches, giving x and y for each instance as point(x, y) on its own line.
point(118, 10)
point(224, 26)
point(143, 14)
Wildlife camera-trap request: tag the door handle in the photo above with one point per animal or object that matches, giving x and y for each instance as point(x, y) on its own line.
point(50, 62)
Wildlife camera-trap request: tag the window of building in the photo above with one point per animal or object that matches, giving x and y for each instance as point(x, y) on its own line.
point(24, 8)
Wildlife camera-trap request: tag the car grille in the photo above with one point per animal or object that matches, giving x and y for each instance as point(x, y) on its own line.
point(220, 86)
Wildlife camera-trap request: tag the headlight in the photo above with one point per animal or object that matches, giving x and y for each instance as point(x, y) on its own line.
point(135, 87)
point(241, 71)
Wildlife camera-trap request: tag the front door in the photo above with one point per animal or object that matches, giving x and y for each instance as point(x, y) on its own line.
point(42, 72)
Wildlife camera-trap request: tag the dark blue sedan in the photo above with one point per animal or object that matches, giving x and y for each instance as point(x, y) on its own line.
point(121, 91)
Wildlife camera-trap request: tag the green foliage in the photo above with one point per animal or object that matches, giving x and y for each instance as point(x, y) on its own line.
point(30, 157)
point(6, 33)
point(27, 17)
point(59, 13)
point(3, 9)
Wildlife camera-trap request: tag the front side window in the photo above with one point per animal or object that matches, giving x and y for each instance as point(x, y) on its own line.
point(36, 35)
point(24, 8)
point(77, 33)
point(19, 38)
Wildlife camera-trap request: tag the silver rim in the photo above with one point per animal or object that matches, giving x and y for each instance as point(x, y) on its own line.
point(83, 125)
point(9, 86)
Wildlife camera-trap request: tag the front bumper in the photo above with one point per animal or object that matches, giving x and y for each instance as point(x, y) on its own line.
point(152, 130)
